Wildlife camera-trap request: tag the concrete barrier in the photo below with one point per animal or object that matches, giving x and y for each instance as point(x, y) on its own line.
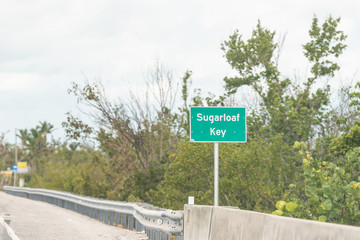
point(217, 223)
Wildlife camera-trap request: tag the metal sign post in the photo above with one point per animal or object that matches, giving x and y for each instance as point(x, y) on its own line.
point(217, 124)
point(14, 169)
point(216, 174)
point(16, 159)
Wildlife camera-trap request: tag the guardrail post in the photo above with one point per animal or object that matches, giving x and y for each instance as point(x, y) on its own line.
point(138, 226)
point(105, 220)
point(117, 219)
point(124, 221)
point(95, 213)
point(100, 215)
point(131, 222)
point(151, 234)
point(91, 212)
point(164, 236)
point(112, 215)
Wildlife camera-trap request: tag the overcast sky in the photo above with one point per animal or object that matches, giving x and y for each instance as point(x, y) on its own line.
point(47, 44)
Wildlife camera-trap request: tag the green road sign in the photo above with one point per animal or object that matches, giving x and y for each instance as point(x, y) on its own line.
point(217, 124)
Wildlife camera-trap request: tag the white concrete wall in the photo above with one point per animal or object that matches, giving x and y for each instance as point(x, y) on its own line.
point(223, 223)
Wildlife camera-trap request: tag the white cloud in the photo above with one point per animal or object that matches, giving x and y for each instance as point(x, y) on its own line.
point(47, 44)
point(18, 81)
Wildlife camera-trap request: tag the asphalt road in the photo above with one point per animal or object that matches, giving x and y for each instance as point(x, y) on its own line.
point(34, 220)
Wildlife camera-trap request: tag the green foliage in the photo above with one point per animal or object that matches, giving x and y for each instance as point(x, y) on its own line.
point(36, 145)
point(350, 137)
point(142, 182)
point(75, 171)
point(255, 173)
point(285, 208)
point(331, 191)
point(6, 153)
point(254, 60)
point(355, 97)
point(286, 108)
point(189, 174)
point(346, 142)
point(280, 205)
point(252, 175)
point(325, 41)
point(290, 206)
point(76, 128)
point(185, 97)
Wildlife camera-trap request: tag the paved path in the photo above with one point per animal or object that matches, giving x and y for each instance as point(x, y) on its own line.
point(34, 220)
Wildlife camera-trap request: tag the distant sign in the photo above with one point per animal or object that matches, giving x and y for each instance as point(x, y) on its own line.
point(14, 168)
point(217, 124)
point(22, 164)
point(22, 167)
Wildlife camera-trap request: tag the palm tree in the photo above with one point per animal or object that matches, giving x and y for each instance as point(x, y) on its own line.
point(35, 142)
point(24, 136)
point(44, 128)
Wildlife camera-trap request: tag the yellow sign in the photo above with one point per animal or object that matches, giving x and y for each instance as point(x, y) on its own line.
point(22, 165)
point(8, 174)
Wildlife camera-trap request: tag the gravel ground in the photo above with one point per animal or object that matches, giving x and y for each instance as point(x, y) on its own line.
point(34, 220)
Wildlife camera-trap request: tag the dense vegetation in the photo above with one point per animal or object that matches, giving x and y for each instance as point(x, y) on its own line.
point(302, 157)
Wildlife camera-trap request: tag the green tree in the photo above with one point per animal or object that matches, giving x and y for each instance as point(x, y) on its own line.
point(286, 108)
point(36, 145)
point(258, 177)
point(79, 171)
point(251, 175)
point(135, 136)
point(6, 153)
point(189, 174)
point(350, 137)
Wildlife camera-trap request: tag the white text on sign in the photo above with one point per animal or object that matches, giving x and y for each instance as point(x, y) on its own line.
point(217, 132)
point(218, 118)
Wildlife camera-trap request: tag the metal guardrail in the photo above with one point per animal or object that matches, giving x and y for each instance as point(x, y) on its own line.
point(157, 223)
point(6, 233)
